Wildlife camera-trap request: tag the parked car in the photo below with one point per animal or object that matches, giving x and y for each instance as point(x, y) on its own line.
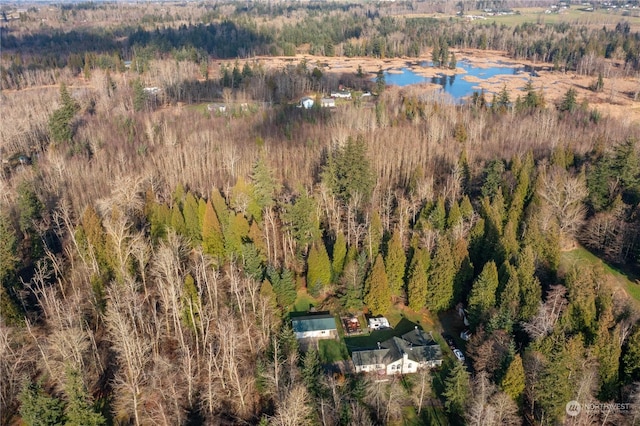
point(465, 335)
point(459, 355)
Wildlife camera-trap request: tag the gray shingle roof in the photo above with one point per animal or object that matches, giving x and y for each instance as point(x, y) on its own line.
point(418, 345)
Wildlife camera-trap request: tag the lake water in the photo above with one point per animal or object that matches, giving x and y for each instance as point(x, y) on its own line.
point(456, 85)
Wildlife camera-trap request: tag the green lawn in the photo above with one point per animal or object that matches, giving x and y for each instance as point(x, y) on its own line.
point(582, 255)
point(571, 16)
point(303, 302)
point(402, 321)
point(331, 351)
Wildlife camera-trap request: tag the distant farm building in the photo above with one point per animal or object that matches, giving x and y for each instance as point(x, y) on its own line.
point(341, 94)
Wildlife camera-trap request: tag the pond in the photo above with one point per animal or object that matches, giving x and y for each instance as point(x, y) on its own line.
point(456, 85)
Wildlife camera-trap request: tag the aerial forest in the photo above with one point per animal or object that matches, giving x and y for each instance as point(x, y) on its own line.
point(166, 208)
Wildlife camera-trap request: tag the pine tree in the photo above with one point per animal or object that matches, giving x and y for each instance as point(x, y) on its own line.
point(60, 122)
point(212, 240)
point(177, 221)
point(221, 209)
point(513, 382)
point(190, 303)
point(631, 358)
point(318, 268)
point(457, 389)
point(483, 294)
point(377, 292)
point(440, 294)
point(348, 171)
point(417, 285)
point(438, 216)
point(39, 409)
point(455, 215)
point(569, 101)
point(80, 410)
point(395, 264)
point(374, 238)
point(339, 254)
point(301, 220)
point(530, 288)
point(236, 233)
point(284, 286)
point(264, 188)
point(192, 219)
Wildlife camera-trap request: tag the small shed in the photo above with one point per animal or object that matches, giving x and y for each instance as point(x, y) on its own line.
point(322, 326)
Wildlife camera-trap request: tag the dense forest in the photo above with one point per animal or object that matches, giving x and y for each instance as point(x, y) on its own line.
point(232, 31)
point(153, 251)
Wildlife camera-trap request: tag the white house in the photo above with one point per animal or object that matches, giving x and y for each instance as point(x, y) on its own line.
point(341, 94)
point(306, 103)
point(400, 355)
point(321, 326)
point(328, 103)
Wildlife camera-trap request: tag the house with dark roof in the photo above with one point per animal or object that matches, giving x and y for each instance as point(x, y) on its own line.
point(322, 326)
point(399, 355)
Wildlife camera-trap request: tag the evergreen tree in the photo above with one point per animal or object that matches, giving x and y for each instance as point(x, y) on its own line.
point(8, 249)
point(377, 292)
point(80, 410)
point(236, 233)
point(483, 294)
point(312, 373)
point(513, 382)
point(454, 217)
point(39, 409)
point(509, 295)
point(339, 254)
point(530, 288)
point(177, 221)
point(221, 209)
point(139, 96)
point(441, 277)
point(9, 303)
point(395, 264)
point(374, 237)
point(60, 122)
point(438, 216)
point(631, 357)
point(348, 171)
point(417, 285)
point(264, 188)
point(381, 83)
point(251, 262)
point(569, 101)
point(457, 389)
point(190, 303)
point(302, 221)
point(192, 219)
point(318, 268)
point(284, 286)
point(212, 240)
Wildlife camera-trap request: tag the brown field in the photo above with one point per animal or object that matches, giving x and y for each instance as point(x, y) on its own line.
point(617, 98)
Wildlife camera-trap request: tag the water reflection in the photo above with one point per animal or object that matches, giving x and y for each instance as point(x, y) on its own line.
point(457, 85)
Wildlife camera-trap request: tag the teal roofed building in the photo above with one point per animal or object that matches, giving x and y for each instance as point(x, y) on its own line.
point(322, 326)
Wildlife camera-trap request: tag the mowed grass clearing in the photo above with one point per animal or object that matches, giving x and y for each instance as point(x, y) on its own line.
point(618, 278)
